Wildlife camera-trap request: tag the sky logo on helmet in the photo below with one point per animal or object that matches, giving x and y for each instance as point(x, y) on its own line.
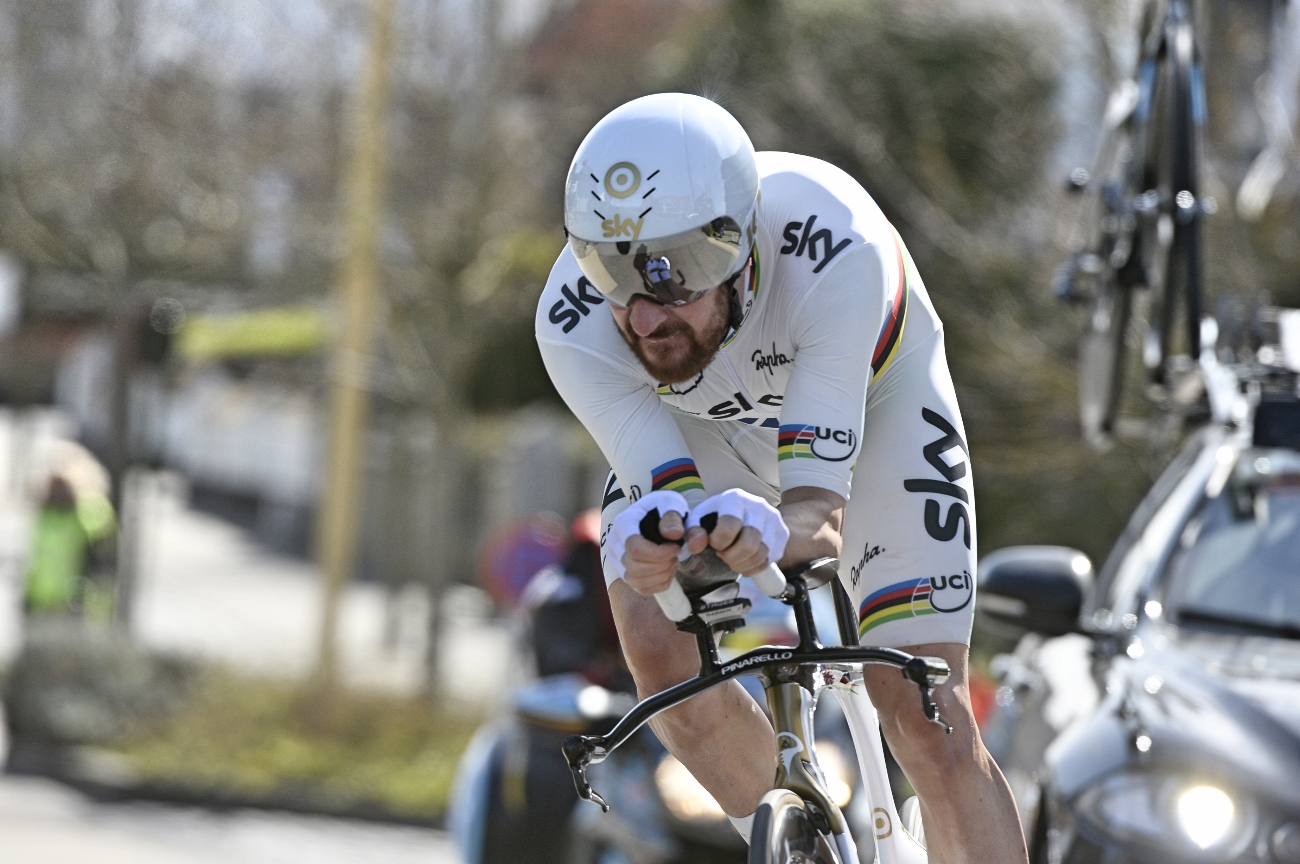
point(622, 180)
point(620, 227)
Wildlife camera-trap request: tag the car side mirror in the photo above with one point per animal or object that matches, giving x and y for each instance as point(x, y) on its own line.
point(1033, 588)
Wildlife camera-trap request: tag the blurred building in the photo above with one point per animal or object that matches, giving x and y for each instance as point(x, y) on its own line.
point(249, 438)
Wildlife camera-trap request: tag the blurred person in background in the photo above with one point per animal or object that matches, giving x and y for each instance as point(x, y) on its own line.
point(572, 623)
point(515, 794)
point(71, 541)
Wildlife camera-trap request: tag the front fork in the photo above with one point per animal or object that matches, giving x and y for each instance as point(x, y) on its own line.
point(792, 693)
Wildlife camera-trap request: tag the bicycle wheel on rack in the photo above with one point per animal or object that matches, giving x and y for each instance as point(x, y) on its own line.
point(1102, 359)
point(1116, 266)
point(1173, 157)
point(784, 833)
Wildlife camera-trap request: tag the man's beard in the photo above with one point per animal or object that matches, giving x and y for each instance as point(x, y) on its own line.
point(681, 366)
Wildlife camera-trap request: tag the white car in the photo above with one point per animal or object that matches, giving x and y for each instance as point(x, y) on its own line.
point(1152, 713)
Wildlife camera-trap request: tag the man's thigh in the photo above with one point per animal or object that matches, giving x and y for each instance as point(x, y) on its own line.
point(658, 654)
point(908, 559)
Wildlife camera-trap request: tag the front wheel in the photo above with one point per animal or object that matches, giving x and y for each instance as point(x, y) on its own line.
point(784, 833)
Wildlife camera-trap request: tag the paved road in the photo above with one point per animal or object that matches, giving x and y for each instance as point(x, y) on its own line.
point(42, 822)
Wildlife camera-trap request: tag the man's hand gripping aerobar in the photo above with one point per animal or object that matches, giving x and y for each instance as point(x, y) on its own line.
point(749, 536)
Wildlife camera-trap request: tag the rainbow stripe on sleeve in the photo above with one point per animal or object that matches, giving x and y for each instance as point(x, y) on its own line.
point(891, 333)
point(794, 441)
point(907, 599)
point(677, 475)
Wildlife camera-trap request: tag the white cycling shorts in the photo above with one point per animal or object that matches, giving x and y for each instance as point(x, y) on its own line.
point(908, 559)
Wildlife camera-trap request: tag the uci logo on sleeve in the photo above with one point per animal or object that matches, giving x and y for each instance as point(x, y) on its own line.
point(801, 441)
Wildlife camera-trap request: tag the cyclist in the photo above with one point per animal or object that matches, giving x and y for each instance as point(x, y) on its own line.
point(774, 359)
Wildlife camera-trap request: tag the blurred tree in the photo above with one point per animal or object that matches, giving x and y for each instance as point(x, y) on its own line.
point(359, 273)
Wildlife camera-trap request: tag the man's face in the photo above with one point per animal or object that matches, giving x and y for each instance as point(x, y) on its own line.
point(675, 343)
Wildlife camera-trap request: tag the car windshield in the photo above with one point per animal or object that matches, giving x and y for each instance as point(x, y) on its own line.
point(1237, 563)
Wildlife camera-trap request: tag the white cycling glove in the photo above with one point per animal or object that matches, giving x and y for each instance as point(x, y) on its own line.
point(628, 523)
point(753, 512)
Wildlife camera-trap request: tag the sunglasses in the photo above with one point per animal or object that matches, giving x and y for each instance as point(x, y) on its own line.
point(670, 271)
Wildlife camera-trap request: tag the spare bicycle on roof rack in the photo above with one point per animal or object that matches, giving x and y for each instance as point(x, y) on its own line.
point(1138, 258)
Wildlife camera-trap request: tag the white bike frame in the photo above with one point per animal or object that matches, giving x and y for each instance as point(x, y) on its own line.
point(894, 844)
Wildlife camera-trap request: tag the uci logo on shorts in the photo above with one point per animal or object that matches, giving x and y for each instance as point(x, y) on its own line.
point(951, 593)
point(912, 598)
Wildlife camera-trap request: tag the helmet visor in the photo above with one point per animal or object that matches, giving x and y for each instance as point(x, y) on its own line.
point(671, 271)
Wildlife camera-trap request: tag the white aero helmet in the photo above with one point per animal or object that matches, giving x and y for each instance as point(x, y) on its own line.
point(662, 199)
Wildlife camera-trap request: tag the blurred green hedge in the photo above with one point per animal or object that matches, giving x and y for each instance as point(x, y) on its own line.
point(247, 738)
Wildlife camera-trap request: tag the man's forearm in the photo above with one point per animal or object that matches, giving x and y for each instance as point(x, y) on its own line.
point(814, 517)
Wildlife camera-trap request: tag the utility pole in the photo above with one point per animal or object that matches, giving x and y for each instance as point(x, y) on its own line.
point(339, 527)
point(125, 481)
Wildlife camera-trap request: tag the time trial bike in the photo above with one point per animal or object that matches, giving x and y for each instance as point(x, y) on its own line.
point(798, 821)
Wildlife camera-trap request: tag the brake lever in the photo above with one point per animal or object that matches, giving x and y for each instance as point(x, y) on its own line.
point(579, 751)
point(918, 672)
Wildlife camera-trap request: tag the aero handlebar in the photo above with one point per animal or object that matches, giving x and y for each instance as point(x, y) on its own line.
point(673, 600)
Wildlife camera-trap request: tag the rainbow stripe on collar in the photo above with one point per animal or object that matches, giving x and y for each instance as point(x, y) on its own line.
point(748, 297)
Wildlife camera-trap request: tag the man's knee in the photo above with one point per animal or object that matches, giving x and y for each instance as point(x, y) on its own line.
point(657, 659)
point(923, 748)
